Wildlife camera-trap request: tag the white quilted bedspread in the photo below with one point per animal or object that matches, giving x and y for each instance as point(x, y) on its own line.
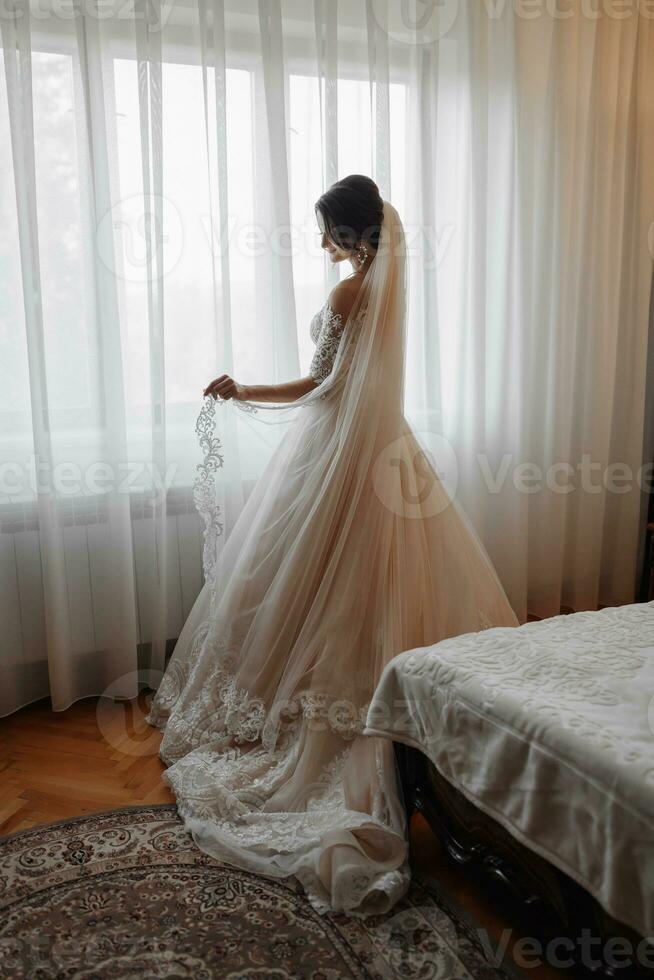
point(549, 728)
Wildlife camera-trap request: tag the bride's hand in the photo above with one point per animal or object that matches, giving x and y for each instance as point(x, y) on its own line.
point(225, 387)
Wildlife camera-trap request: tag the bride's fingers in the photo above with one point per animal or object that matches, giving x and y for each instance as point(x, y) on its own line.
point(224, 387)
point(211, 387)
point(227, 389)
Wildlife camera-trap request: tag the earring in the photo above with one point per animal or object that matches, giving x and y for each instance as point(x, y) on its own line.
point(362, 252)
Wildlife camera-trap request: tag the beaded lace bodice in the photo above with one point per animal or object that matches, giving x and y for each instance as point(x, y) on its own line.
point(326, 330)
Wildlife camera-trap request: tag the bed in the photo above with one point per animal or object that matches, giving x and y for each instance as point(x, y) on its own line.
point(531, 750)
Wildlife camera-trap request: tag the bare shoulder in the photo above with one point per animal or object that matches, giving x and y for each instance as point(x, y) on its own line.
point(342, 297)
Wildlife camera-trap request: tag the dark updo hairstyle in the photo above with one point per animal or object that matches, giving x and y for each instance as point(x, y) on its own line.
point(352, 211)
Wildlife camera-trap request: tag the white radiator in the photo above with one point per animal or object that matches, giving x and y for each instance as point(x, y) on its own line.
point(85, 537)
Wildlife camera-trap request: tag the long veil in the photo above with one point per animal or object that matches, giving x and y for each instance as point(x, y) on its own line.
point(371, 356)
point(336, 564)
point(322, 469)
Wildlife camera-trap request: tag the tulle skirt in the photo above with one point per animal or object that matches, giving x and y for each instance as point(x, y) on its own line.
point(331, 569)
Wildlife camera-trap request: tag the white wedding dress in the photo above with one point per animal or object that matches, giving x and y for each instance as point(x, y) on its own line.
point(334, 566)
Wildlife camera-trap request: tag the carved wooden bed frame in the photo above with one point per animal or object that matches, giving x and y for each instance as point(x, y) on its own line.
point(546, 902)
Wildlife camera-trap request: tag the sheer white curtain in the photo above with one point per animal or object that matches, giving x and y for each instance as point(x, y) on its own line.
point(158, 168)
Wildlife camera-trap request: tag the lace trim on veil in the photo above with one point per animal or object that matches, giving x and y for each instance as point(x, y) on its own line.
point(204, 486)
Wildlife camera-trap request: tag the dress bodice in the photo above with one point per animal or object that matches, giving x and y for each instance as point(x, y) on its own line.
point(316, 325)
point(326, 330)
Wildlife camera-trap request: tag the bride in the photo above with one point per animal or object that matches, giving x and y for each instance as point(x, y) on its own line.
point(338, 561)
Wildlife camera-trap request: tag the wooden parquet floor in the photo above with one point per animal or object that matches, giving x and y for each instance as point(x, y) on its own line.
point(96, 755)
point(99, 754)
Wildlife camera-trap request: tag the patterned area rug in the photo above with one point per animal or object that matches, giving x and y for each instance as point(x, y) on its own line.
point(127, 894)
